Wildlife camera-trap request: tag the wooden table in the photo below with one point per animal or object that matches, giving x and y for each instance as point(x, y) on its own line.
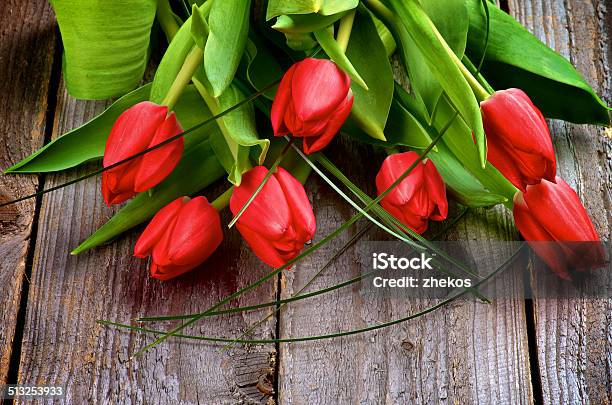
point(511, 351)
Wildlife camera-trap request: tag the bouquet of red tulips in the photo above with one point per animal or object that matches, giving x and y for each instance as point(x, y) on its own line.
point(254, 92)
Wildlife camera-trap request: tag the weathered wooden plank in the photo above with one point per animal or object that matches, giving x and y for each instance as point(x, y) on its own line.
point(574, 337)
point(467, 352)
point(63, 344)
point(27, 41)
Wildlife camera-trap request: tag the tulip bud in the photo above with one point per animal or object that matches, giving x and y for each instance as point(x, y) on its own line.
point(181, 236)
point(138, 128)
point(421, 196)
point(549, 212)
point(279, 221)
point(518, 140)
point(313, 101)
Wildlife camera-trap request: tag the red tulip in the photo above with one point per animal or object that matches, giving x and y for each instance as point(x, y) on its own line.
point(421, 196)
point(313, 101)
point(181, 236)
point(140, 127)
point(518, 139)
point(279, 221)
point(549, 212)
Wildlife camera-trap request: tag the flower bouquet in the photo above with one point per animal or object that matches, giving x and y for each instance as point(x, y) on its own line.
point(250, 93)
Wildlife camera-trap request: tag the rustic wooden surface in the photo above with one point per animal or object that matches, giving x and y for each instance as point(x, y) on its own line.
point(27, 42)
point(508, 352)
point(574, 337)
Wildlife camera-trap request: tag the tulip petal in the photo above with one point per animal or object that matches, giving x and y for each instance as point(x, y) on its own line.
point(281, 101)
point(393, 168)
point(269, 212)
point(261, 247)
point(133, 131)
point(161, 223)
point(558, 208)
point(156, 165)
point(303, 218)
point(437, 192)
point(336, 121)
point(196, 234)
point(318, 88)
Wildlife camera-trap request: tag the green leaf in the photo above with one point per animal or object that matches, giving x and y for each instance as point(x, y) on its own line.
point(229, 27)
point(366, 50)
point(174, 57)
point(305, 23)
point(262, 67)
point(199, 26)
point(197, 169)
point(323, 7)
point(89, 140)
point(516, 58)
point(463, 186)
point(84, 143)
point(451, 20)
point(106, 45)
point(238, 128)
point(334, 51)
point(441, 61)
point(402, 129)
point(460, 142)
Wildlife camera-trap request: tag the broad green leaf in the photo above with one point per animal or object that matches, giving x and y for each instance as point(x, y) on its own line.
point(451, 20)
point(366, 50)
point(199, 26)
point(173, 60)
point(89, 140)
point(197, 169)
point(516, 58)
point(441, 61)
point(332, 49)
point(462, 185)
point(323, 7)
point(238, 127)
point(402, 129)
point(305, 23)
point(410, 128)
point(229, 28)
point(106, 45)
point(262, 67)
point(458, 140)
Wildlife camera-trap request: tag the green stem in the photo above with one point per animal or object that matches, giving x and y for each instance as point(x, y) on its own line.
point(221, 202)
point(189, 68)
point(344, 32)
point(166, 19)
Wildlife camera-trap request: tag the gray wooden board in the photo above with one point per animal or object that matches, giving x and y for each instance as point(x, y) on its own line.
point(27, 42)
point(63, 344)
point(574, 337)
point(467, 352)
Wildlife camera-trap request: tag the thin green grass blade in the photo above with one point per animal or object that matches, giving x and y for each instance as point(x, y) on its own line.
point(305, 253)
point(430, 309)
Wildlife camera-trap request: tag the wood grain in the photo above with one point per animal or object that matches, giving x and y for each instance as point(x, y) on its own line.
point(64, 345)
point(574, 337)
point(467, 352)
point(27, 41)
